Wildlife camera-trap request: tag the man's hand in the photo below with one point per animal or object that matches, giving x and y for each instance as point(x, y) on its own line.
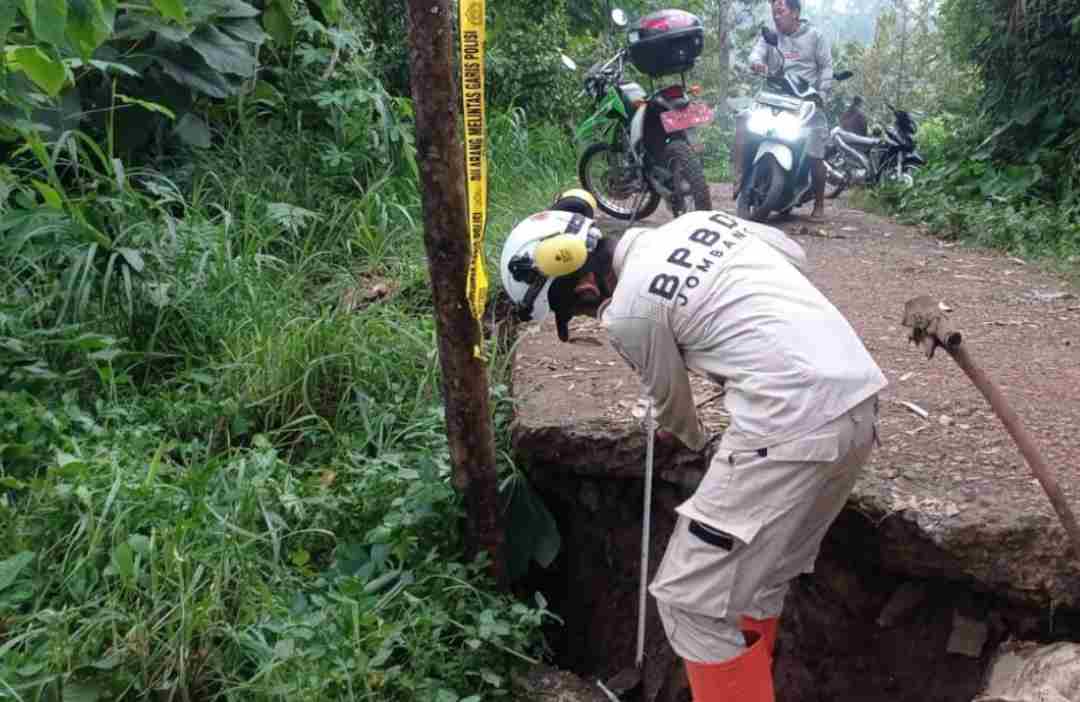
point(759, 68)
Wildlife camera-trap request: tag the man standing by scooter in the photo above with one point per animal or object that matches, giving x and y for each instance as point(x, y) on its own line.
point(853, 120)
point(806, 53)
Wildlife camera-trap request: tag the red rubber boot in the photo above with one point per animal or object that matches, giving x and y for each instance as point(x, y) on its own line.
point(746, 678)
point(766, 627)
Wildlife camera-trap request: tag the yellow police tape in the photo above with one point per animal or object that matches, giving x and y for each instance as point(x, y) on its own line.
point(472, 96)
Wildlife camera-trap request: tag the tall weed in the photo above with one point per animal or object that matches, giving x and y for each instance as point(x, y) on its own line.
point(220, 480)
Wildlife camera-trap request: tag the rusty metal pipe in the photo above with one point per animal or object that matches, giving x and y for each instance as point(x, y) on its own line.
point(931, 329)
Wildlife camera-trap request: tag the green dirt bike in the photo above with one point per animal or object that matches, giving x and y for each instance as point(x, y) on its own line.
point(641, 146)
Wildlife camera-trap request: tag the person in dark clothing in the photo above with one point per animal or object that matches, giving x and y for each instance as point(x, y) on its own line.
point(853, 119)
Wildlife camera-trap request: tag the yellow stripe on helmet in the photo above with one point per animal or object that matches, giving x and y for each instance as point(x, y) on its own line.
point(560, 255)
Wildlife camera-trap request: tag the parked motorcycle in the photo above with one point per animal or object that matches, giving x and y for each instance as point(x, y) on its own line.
point(858, 160)
point(641, 144)
point(776, 171)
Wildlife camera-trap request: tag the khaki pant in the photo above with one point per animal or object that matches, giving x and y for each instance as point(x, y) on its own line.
point(756, 522)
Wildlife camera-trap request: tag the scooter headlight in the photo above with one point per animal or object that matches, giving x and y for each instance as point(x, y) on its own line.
point(788, 126)
point(759, 121)
point(784, 125)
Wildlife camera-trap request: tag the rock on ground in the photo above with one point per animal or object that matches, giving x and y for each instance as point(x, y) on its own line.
point(1028, 672)
point(543, 684)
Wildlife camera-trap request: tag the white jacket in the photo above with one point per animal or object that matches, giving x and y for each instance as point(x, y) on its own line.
point(705, 293)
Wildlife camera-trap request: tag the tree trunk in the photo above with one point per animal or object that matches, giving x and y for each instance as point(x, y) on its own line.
point(901, 6)
point(440, 156)
point(723, 26)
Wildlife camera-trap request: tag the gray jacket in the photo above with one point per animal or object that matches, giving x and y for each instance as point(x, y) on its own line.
point(806, 53)
point(723, 298)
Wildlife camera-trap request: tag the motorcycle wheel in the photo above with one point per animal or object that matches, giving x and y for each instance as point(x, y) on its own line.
point(905, 180)
point(762, 192)
point(690, 190)
point(833, 184)
point(603, 186)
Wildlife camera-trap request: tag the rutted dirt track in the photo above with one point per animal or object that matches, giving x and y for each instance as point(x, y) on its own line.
point(946, 498)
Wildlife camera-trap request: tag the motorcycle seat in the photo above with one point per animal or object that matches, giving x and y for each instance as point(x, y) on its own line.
point(853, 139)
point(899, 137)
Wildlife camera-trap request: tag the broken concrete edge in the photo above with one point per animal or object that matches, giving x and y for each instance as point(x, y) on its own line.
point(913, 546)
point(1020, 561)
point(597, 451)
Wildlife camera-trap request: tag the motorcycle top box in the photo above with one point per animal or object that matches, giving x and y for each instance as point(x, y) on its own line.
point(666, 42)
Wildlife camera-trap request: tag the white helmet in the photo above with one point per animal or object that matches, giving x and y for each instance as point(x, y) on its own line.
point(542, 255)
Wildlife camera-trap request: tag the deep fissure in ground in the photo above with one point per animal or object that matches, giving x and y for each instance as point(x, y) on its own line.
point(859, 629)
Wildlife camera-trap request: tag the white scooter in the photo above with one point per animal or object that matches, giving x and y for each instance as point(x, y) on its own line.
point(776, 172)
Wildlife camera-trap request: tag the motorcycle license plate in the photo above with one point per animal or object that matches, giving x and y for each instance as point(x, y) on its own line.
point(691, 116)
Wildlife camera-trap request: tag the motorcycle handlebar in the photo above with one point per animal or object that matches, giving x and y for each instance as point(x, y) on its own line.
point(606, 66)
point(601, 73)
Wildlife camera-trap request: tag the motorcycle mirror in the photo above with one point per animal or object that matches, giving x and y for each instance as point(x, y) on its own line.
point(843, 75)
point(618, 17)
point(769, 36)
point(569, 62)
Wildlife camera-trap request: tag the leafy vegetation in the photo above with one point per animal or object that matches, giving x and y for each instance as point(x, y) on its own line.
point(223, 469)
point(1003, 164)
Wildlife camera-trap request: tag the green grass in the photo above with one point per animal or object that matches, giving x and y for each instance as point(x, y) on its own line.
point(222, 481)
point(1023, 227)
point(1027, 207)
